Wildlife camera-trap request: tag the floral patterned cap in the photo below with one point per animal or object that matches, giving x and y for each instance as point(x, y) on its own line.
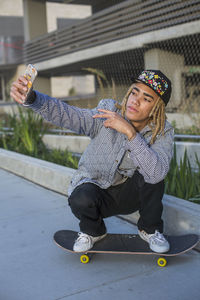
point(157, 81)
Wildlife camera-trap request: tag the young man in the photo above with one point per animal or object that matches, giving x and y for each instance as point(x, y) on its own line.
point(123, 168)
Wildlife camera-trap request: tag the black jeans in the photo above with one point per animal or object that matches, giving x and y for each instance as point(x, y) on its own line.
point(91, 204)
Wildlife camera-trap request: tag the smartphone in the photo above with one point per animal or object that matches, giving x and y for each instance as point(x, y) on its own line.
point(30, 74)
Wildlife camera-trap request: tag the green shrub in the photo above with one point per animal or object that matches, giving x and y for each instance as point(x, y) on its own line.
point(64, 158)
point(26, 138)
point(181, 181)
point(28, 130)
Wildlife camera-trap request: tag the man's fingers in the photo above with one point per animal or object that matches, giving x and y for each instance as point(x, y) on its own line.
point(23, 80)
point(18, 93)
point(20, 86)
point(16, 98)
point(107, 114)
point(105, 110)
point(101, 116)
point(19, 89)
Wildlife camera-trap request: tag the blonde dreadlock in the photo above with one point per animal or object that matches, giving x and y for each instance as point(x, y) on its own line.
point(157, 116)
point(157, 119)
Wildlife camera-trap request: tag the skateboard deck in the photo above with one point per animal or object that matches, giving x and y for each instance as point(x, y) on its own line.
point(126, 244)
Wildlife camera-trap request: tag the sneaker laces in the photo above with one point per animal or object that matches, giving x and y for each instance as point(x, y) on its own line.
point(83, 237)
point(157, 237)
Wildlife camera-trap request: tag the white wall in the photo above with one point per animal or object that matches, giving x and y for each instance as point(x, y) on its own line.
point(60, 86)
point(11, 8)
point(57, 10)
point(54, 11)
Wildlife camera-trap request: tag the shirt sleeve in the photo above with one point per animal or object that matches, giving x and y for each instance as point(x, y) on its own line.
point(64, 115)
point(152, 161)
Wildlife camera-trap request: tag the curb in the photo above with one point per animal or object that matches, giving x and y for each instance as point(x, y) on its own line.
point(180, 216)
point(46, 174)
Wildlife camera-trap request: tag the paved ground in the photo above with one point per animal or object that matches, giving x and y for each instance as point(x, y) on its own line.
point(32, 267)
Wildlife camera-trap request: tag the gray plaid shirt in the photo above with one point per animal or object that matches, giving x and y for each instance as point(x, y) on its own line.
point(110, 156)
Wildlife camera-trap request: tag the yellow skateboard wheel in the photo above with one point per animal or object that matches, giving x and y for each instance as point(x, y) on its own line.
point(162, 262)
point(84, 259)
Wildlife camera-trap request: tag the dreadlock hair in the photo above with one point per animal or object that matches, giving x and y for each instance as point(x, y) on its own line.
point(157, 115)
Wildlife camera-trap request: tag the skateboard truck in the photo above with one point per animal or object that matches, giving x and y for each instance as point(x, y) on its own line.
point(85, 258)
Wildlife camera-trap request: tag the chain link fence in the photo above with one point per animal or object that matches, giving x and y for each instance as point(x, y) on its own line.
point(119, 41)
point(166, 36)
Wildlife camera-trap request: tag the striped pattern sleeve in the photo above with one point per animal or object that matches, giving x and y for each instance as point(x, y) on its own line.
point(63, 115)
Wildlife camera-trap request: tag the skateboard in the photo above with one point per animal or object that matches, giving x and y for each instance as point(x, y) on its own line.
point(126, 244)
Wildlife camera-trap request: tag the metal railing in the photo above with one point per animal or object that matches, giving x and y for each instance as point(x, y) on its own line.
point(66, 131)
point(186, 136)
point(126, 19)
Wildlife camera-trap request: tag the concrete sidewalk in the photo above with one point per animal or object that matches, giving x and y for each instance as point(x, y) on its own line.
point(33, 267)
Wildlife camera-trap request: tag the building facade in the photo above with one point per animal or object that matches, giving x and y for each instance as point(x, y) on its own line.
point(87, 59)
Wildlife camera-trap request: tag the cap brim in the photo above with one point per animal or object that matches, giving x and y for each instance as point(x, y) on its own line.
point(134, 80)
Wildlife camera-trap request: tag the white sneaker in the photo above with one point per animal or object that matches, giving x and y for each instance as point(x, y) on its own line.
point(85, 242)
point(157, 241)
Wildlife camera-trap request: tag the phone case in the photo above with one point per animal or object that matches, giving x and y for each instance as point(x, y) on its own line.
point(30, 74)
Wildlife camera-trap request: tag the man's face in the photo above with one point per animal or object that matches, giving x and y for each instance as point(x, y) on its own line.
point(139, 105)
